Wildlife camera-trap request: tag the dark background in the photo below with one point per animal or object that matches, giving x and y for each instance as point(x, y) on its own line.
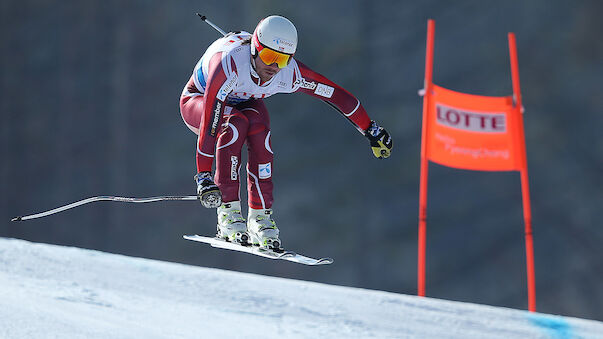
point(89, 106)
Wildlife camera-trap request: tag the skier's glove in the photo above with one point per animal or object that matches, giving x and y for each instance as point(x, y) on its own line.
point(381, 142)
point(208, 192)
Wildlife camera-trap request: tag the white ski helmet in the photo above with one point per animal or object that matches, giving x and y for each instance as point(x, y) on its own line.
point(274, 34)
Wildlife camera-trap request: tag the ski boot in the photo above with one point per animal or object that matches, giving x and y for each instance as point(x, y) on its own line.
point(231, 224)
point(208, 192)
point(262, 229)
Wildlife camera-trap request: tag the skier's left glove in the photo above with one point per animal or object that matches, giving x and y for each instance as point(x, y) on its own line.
point(381, 141)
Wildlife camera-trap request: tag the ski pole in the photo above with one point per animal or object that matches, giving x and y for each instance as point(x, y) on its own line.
point(204, 18)
point(104, 198)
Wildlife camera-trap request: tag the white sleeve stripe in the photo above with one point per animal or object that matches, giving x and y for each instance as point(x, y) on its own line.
point(355, 109)
point(204, 154)
point(226, 66)
point(187, 93)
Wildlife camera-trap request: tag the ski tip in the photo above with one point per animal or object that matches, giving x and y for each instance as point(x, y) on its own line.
point(17, 219)
point(201, 16)
point(325, 261)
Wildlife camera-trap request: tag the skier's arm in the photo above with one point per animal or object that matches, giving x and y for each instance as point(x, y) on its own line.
point(349, 106)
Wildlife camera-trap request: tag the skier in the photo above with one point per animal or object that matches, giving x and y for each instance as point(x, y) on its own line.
point(223, 104)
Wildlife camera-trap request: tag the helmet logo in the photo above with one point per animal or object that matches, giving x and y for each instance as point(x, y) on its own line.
point(280, 41)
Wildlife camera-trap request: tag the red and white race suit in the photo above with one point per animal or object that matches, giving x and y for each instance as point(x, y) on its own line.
point(223, 102)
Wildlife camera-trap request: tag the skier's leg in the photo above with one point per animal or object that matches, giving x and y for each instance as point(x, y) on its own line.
point(260, 225)
point(228, 155)
point(259, 166)
point(231, 224)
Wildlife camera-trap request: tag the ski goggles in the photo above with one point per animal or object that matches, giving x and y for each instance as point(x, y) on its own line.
point(270, 56)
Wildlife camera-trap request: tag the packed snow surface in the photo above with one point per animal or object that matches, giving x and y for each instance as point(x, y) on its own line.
point(52, 291)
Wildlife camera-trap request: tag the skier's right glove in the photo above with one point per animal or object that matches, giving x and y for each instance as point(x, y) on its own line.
point(381, 142)
point(208, 192)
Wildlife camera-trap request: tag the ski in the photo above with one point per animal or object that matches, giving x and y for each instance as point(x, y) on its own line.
point(284, 255)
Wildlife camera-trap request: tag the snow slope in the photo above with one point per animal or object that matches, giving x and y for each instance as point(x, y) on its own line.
point(53, 291)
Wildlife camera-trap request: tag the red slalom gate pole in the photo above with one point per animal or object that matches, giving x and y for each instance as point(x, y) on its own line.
point(525, 190)
point(427, 87)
